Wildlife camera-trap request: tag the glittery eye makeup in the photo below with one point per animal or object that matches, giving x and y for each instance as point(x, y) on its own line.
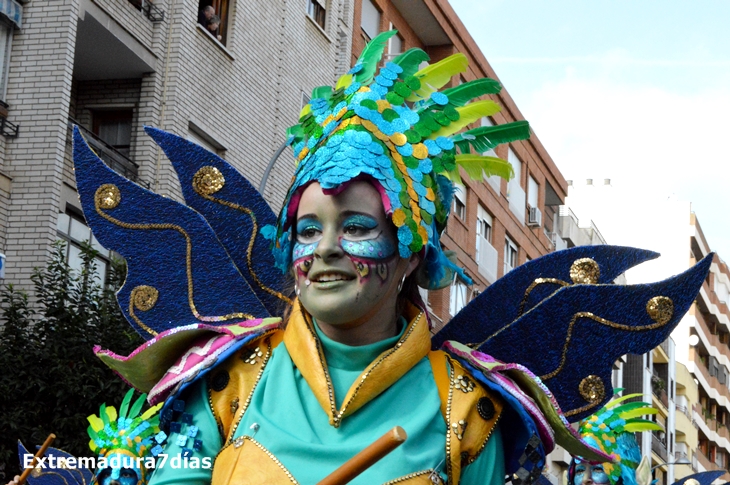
point(308, 229)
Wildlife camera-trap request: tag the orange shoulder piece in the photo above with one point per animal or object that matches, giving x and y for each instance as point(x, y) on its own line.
point(471, 412)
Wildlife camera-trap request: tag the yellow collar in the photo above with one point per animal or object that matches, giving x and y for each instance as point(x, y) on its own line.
point(307, 354)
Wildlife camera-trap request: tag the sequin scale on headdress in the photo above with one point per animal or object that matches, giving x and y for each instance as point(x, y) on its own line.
point(397, 129)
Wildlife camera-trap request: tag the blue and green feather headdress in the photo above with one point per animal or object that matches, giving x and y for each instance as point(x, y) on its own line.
point(398, 130)
point(611, 429)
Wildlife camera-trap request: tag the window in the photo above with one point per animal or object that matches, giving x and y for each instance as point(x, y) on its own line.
point(495, 181)
point(486, 255)
point(532, 190)
point(219, 8)
point(6, 36)
point(459, 204)
point(515, 193)
point(370, 21)
point(510, 255)
point(317, 10)
point(395, 45)
point(72, 229)
point(484, 229)
point(114, 127)
point(457, 296)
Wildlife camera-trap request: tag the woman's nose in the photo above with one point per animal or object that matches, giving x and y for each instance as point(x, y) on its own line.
point(587, 478)
point(329, 246)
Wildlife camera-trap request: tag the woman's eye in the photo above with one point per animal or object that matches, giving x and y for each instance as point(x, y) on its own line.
point(354, 230)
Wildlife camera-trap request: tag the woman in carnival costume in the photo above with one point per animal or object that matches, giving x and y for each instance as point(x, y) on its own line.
point(612, 430)
point(274, 401)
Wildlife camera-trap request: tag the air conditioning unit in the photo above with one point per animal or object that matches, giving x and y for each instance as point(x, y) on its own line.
point(534, 217)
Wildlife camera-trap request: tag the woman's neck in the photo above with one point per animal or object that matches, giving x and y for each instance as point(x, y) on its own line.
point(373, 328)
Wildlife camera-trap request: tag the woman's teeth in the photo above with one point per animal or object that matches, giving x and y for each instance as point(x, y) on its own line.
point(330, 277)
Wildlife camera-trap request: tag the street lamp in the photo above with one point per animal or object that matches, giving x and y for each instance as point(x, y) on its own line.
point(681, 461)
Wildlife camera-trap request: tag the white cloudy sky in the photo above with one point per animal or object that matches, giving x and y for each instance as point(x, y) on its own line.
point(633, 90)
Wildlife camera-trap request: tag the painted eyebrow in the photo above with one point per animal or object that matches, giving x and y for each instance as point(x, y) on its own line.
point(347, 214)
point(307, 216)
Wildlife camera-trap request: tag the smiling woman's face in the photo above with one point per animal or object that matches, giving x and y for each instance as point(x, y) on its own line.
point(346, 260)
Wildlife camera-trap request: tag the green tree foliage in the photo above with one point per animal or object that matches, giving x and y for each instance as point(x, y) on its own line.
point(50, 379)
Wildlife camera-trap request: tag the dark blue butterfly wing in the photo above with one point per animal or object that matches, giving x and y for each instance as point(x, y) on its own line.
point(517, 291)
point(76, 475)
point(572, 339)
point(177, 271)
point(233, 208)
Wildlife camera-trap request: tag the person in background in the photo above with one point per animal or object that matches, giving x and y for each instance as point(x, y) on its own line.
point(213, 25)
point(205, 14)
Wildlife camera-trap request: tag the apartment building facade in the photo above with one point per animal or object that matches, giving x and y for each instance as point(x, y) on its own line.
point(706, 354)
point(114, 66)
point(495, 225)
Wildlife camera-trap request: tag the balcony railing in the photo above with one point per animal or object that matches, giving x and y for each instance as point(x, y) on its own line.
point(111, 156)
point(658, 447)
point(151, 11)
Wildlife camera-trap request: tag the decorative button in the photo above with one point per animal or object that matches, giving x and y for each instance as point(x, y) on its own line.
point(485, 408)
point(219, 381)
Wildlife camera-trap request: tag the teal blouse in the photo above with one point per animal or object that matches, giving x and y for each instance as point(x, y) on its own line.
point(285, 417)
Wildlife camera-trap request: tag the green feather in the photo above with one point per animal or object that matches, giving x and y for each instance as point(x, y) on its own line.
point(468, 114)
point(613, 402)
point(637, 412)
point(324, 92)
point(463, 93)
point(371, 55)
point(629, 407)
point(102, 414)
point(643, 426)
point(485, 138)
point(410, 61)
point(435, 76)
point(478, 166)
point(125, 404)
point(137, 406)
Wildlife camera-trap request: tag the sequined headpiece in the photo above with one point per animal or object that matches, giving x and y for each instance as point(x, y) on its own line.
point(126, 436)
point(612, 429)
point(398, 130)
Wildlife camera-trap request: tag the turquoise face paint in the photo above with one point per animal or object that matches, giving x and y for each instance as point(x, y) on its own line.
point(308, 236)
point(598, 474)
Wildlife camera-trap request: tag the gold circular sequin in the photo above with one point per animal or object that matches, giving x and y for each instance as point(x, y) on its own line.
point(107, 196)
point(420, 151)
point(398, 139)
point(144, 297)
point(592, 389)
point(660, 309)
point(208, 180)
point(585, 271)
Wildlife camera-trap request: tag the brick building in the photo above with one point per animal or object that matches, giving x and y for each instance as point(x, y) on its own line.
point(113, 66)
point(495, 225)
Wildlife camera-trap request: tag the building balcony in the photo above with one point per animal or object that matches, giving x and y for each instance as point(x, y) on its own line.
point(112, 157)
point(711, 338)
point(517, 201)
point(708, 465)
point(105, 48)
point(568, 227)
point(658, 447)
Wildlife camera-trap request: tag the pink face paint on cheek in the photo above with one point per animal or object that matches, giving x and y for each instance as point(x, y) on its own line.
point(302, 266)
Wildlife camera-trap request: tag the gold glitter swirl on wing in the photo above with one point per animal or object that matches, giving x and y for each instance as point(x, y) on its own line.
point(107, 196)
point(249, 250)
point(602, 321)
point(592, 388)
point(533, 285)
point(188, 262)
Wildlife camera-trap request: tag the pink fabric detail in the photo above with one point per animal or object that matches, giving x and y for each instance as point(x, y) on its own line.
point(201, 355)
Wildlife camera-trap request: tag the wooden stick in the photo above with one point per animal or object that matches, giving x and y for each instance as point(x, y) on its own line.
point(33, 463)
point(367, 457)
